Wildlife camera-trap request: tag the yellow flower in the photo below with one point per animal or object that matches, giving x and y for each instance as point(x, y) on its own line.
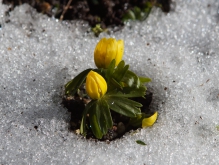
point(96, 85)
point(146, 122)
point(106, 50)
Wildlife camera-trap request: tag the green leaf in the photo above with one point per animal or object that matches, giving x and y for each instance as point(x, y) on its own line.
point(137, 121)
point(115, 75)
point(138, 13)
point(128, 15)
point(110, 69)
point(140, 142)
point(84, 116)
point(99, 117)
point(105, 119)
point(114, 84)
point(120, 71)
point(97, 29)
point(131, 79)
point(123, 105)
point(72, 86)
point(146, 10)
point(144, 80)
point(128, 92)
point(134, 92)
point(94, 118)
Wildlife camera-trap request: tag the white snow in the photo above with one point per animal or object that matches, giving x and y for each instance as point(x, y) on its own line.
point(178, 50)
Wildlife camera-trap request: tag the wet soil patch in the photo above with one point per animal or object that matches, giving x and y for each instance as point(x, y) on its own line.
point(76, 105)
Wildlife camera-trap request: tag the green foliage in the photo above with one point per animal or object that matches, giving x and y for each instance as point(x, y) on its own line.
point(138, 13)
point(72, 86)
point(130, 15)
point(140, 142)
point(144, 80)
point(137, 121)
point(90, 105)
point(128, 92)
point(99, 117)
point(122, 85)
point(120, 71)
point(147, 9)
point(123, 105)
point(131, 79)
point(115, 77)
point(110, 70)
point(97, 30)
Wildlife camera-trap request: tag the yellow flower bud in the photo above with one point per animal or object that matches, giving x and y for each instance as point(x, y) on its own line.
point(106, 50)
point(146, 122)
point(96, 85)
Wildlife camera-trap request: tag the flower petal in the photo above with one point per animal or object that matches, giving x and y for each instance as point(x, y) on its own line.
point(120, 51)
point(146, 122)
point(111, 51)
point(100, 53)
point(106, 50)
point(96, 85)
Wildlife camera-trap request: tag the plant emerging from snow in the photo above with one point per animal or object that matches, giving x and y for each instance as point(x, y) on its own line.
point(110, 87)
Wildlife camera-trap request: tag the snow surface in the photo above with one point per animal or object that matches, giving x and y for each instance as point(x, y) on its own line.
point(178, 50)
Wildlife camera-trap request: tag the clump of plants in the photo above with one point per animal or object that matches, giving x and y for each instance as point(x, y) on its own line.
point(110, 88)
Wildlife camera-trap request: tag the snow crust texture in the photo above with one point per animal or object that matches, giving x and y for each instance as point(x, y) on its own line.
point(179, 51)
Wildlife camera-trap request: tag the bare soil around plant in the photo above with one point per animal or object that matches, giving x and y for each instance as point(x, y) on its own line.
point(76, 105)
point(104, 12)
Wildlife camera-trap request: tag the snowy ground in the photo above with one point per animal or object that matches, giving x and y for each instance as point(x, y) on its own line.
point(179, 51)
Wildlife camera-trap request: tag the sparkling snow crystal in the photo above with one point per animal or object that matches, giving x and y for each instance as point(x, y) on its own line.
point(179, 51)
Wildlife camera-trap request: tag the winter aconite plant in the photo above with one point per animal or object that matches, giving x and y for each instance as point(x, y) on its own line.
point(111, 87)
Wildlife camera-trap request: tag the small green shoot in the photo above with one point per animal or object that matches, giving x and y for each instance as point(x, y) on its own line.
point(140, 142)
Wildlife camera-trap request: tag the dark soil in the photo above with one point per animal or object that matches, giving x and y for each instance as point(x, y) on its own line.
point(76, 105)
point(104, 12)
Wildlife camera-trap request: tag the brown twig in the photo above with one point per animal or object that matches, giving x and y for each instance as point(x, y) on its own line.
point(65, 9)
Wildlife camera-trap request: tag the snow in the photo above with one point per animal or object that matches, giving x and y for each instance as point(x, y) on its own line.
point(179, 51)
